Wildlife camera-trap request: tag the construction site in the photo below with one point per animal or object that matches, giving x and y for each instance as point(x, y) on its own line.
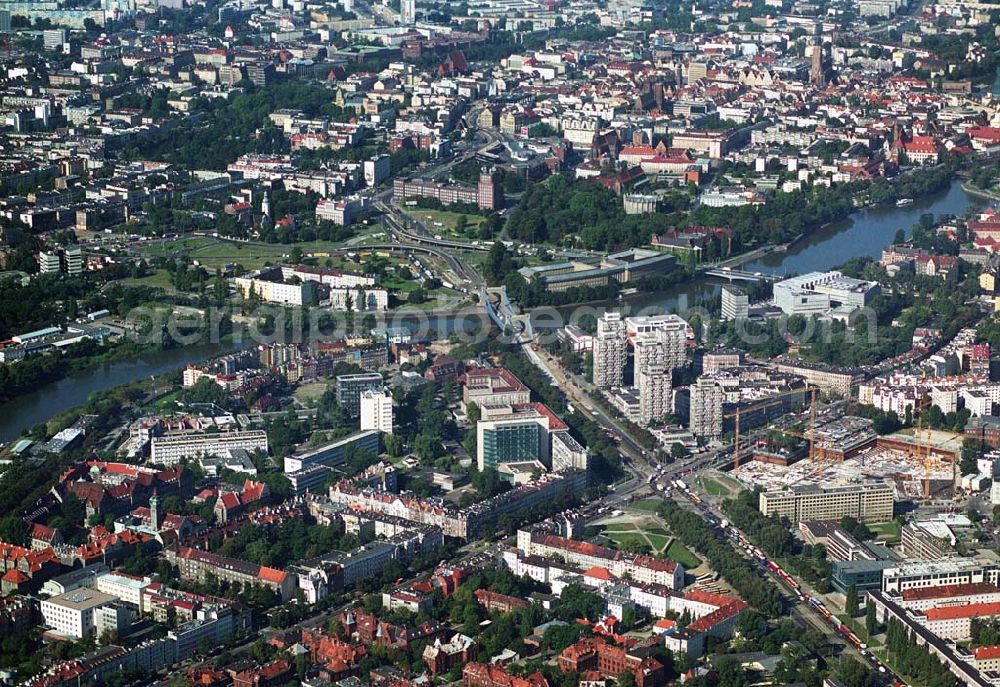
point(920, 463)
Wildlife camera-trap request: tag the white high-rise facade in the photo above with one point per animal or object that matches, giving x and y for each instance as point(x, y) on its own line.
point(655, 392)
point(407, 12)
point(735, 303)
point(707, 397)
point(610, 350)
point(376, 410)
point(664, 347)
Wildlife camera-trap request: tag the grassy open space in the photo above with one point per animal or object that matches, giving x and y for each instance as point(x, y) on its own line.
point(400, 285)
point(167, 401)
point(158, 279)
point(650, 505)
point(310, 392)
point(714, 487)
point(719, 484)
point(447, 221)
point(680, 553)
point(887, 530)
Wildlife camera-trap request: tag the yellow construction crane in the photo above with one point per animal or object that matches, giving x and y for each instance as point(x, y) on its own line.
point(923, 454)
point(773, 401)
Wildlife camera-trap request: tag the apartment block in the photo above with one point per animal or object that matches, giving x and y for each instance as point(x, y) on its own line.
point(198, 566)
point(172, 448)
point(653, 382)
point(705, 409)
point(610, 351)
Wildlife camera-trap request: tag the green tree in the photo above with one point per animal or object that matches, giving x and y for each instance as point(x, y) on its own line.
point(851, 605)
point(972, 451)
point(870, 622)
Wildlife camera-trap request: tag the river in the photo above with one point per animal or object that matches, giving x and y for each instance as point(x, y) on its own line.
point(864, 233)
point(30, 409)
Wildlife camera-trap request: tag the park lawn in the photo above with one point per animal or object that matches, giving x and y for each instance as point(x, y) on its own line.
point(657, 541)
point(624, 539)
point(401, 285)
point(650, 505)
point(680, 553)
point(310, 392)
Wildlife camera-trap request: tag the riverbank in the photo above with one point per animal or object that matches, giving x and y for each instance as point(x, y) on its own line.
point(980, 193)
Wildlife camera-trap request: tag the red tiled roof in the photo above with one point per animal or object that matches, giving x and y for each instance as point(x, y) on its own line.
point(15, 576)
point(947, 590)
point(966, 611)
point(271, 575)
point(986, 652)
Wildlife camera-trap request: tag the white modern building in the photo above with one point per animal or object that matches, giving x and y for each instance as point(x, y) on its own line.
point(376, 410)
point(922, 574)
point(817, 293)
point(125, 588)
point(735, 303)
point(85, 613)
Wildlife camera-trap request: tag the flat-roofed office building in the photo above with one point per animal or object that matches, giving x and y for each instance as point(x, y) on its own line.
point(872, 502)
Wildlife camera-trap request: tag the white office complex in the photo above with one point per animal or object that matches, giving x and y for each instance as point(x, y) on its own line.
point(73, 257)
point(735, 303)
point(376, 410)
point(127, 589)
point(170, 449)
point(84, 613)
point(707, 397)
point(817, 293)
point(48, 262)
point(922, 574)
point(610, 351)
